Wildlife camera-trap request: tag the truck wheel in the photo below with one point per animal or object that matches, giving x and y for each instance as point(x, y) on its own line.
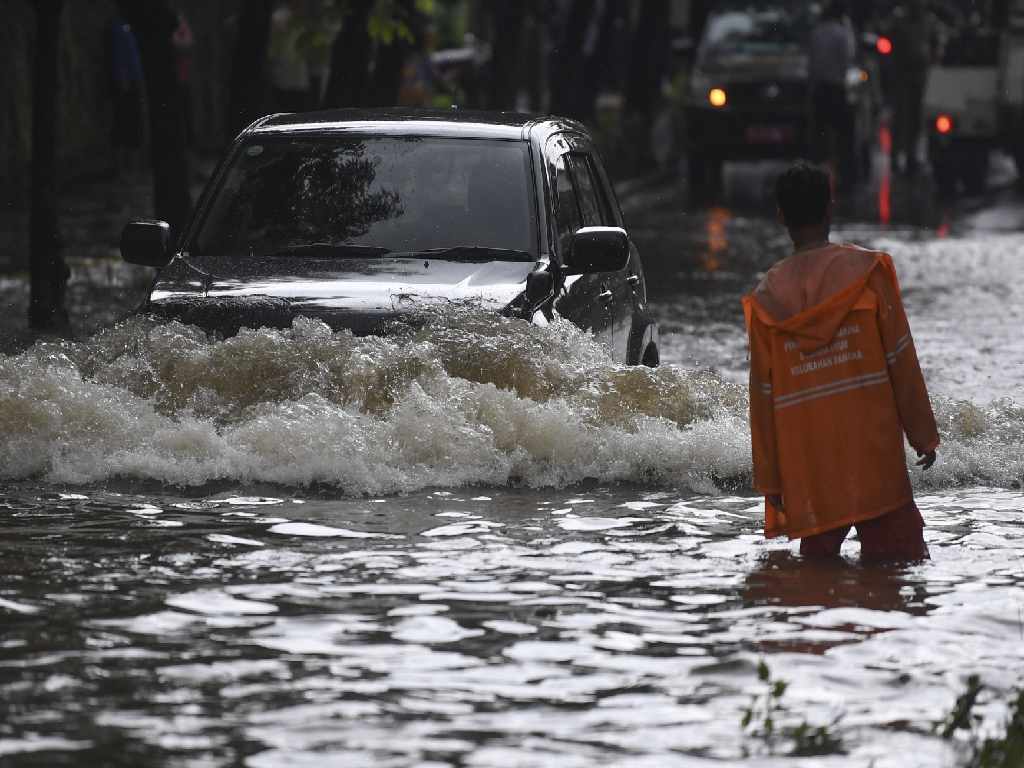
point(1018, 158)
point(975, 172)
point(944, 172)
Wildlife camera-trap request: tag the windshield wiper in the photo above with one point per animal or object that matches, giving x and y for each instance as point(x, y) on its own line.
point(324, 249)
point(479, 253)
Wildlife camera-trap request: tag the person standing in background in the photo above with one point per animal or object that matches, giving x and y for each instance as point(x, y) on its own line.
point(829, 58)
point(914, 32)
point(125, 74)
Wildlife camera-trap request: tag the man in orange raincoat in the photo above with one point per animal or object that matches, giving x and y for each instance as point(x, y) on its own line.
point(834, 385)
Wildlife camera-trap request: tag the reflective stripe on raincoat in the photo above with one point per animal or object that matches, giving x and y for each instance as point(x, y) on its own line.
point(834, 385)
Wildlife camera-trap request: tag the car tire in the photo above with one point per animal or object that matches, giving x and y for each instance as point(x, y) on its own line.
point(651, 358)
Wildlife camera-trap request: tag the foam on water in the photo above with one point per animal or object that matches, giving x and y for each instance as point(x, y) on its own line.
point(469, 400)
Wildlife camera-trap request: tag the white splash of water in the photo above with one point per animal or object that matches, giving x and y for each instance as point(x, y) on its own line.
point(475, 400)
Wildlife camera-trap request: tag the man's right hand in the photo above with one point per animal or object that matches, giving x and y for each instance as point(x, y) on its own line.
point(927, 460)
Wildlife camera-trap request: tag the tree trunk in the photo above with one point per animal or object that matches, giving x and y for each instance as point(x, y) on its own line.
point(387, 75)
point(647, 57)
point(509, 21)
point(48, 272)
point(248, 88)
point(153, 23)
point(573, 64)
point(350, 57)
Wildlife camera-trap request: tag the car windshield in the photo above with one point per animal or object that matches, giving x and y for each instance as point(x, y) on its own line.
point(457, 199)
point(762, 29)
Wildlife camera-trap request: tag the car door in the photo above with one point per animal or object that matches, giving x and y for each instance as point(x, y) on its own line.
point(585, 299)
point(597, 212)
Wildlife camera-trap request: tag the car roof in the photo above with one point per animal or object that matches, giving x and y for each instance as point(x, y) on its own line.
point(450, 123)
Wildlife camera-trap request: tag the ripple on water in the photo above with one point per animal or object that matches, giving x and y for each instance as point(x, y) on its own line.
point(520, 643)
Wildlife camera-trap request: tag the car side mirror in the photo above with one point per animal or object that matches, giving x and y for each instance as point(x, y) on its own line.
point(598, 249)
point(540, 286)
point(147, 243)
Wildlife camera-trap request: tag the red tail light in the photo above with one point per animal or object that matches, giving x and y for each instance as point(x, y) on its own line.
point(943, 124)
point(884, 45)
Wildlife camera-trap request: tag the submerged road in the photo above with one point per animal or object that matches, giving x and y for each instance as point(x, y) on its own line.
point(295, 548)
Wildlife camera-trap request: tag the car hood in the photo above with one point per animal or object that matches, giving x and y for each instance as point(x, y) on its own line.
point(355, 293)
point(790, 66)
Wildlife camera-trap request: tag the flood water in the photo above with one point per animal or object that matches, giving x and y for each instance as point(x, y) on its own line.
point(485, 545)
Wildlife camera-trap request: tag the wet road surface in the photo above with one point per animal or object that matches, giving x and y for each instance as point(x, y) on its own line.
point(295, 548)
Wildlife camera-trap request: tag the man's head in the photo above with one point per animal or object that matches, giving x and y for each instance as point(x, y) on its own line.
point(804, 195)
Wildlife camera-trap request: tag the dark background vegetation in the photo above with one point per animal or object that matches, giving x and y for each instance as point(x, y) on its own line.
point(634, 49)
point(83, 101)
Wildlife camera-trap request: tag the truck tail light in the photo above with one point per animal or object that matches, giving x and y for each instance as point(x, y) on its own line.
point(943, 124)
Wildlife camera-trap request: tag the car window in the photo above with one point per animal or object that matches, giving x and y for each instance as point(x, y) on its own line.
point(759, 29)
point(595, 207)
point(567, 207)
point(395, 195)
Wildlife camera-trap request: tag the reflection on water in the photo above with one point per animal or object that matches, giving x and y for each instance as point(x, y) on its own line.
point(610, 626)
point(482, 544)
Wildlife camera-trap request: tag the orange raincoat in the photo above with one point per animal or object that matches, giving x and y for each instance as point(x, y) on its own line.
point(834, 385)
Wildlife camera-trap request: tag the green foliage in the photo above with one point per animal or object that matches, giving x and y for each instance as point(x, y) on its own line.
point(962, 717)
point(389, 20)
point(316, 22)
point(313, 25)
point(761, 722)
point(452, 21)
point(808, 740)
point(1006, 751)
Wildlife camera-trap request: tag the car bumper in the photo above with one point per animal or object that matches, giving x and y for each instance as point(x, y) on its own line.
point(747, 134)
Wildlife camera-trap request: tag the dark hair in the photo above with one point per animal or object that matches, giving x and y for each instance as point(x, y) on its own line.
point(803, 192)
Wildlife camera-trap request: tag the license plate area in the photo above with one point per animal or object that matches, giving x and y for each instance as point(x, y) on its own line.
point(770, 134)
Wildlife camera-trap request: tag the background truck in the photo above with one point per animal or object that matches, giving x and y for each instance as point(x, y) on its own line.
point(974, 101)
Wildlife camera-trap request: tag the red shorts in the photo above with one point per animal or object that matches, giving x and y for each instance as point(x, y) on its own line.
point(896, 535)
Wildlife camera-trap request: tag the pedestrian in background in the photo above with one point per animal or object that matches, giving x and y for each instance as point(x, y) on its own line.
point(915, 35)
point(829, 58)
point(835, 384)
point(124, 68)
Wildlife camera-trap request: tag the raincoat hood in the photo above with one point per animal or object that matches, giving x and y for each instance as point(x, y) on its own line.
point(803, 295)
